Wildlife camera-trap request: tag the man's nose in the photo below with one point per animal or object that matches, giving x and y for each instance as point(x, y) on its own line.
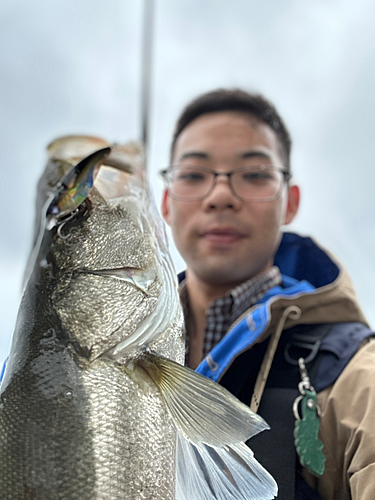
point(221, 195)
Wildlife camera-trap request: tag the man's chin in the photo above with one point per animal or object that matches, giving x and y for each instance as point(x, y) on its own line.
point(227, 271)
point(220, 274)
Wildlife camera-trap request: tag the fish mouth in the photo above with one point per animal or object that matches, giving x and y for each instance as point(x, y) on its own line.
point(119, 272)
point(142, 279)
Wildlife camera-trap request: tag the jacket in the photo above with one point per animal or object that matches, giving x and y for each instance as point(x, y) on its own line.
point(320, 290)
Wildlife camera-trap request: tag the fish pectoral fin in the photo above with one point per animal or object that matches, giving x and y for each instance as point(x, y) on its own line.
point(202, 410)
point(209, 473)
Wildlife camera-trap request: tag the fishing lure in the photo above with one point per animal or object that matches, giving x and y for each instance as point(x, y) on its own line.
point(75, 186)
point(66, 200)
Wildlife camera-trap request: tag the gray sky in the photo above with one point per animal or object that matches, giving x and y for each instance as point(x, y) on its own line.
point(73, 66)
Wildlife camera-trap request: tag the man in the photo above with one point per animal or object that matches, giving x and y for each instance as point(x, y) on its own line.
point(257, 300)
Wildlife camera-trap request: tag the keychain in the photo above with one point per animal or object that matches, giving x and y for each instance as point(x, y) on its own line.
point(306, 428)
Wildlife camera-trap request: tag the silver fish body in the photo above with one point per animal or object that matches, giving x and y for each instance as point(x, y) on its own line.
point(75, 424)
point(95, 403)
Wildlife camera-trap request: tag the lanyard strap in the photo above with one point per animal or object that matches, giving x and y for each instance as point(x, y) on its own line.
point(293, 312)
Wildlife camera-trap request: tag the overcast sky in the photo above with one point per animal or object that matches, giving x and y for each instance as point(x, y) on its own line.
point(73, 66)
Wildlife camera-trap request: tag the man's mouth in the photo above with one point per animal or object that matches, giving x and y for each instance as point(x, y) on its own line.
point(222, 235)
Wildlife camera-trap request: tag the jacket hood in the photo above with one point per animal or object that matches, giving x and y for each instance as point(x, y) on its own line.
point(332, 297)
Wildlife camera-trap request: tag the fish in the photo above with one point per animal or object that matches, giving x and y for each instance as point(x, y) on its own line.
point(95, 402)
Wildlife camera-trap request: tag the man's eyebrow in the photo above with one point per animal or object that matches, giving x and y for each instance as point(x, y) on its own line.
point(254, 154)
point(201, 155)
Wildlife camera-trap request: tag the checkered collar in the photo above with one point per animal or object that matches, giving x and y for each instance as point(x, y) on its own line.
point(223, 312)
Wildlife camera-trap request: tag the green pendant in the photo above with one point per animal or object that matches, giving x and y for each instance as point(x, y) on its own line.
point(308, 445)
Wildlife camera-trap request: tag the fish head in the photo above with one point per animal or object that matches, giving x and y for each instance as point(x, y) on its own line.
point(115, 287)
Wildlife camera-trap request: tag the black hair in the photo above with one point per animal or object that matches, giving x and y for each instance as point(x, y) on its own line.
point(236, 100)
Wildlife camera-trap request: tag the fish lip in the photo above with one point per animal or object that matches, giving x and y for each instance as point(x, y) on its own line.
point(114, 270)
point(135, 276)
point(120, 273)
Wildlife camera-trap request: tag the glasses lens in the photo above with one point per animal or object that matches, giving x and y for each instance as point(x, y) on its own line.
point(257, 183)
point(188, 182)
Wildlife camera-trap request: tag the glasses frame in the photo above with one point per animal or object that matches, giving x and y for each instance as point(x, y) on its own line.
point(165, 173)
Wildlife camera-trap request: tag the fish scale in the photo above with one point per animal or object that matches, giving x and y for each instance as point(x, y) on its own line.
point(118, 432)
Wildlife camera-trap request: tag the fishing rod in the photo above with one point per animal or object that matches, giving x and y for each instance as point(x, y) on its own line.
point(148, 22)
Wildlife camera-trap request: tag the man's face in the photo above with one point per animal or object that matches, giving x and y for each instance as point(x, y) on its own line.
point(224, 240)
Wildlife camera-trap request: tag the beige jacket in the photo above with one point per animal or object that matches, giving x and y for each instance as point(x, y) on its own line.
point(347, 427)
point(347, 430)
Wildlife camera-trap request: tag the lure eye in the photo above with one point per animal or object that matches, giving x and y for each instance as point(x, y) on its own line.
point(55, 210)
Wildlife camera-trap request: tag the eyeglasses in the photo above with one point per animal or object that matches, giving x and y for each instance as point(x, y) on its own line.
point(255, 183)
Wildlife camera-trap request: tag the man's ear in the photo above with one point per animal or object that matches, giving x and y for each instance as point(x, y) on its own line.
point(165, 207)
point(293, 204)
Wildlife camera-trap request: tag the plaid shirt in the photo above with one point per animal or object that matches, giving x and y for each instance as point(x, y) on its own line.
point(223, 312)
